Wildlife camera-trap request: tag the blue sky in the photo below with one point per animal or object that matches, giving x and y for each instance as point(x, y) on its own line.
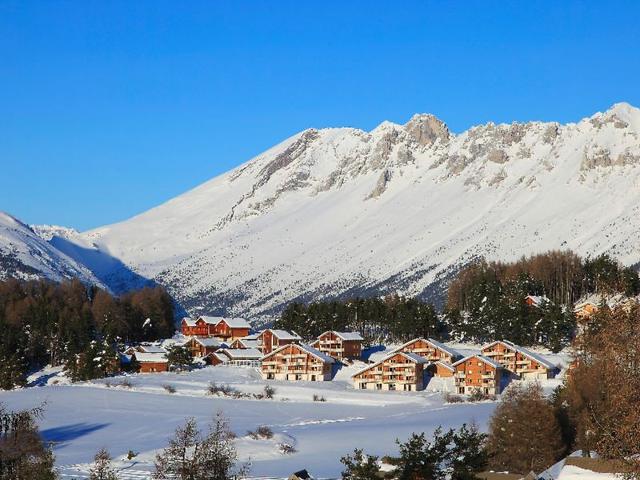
point(110, 108)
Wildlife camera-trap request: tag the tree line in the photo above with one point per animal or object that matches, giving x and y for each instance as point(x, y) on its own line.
point(74, 325)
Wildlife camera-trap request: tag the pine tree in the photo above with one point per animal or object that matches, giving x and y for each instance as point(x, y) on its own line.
point(102, 468)
point(360, 466)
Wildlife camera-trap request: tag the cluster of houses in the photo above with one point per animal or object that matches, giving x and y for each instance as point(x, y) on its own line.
point(283, 355)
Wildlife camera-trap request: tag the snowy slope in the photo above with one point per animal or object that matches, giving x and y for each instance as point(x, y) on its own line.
point(25, 255)
point(342, 211)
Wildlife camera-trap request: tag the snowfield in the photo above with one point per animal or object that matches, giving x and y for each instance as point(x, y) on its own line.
point(84, 417)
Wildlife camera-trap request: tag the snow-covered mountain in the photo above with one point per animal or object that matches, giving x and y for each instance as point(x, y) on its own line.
point(24, 254)
point(341, 211)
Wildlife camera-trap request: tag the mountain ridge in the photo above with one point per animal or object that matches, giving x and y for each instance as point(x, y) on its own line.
point(340, 211)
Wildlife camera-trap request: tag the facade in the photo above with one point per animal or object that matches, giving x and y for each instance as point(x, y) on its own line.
point(202, 346)
point(219, 327)
point(478, 373)
point(270, 339)
point(340, 345)
point(535, 300)
point(242, 357)
point(401, 371)
point(519, 361)
point(151, 362)
point(250, 341)
point(430, 349)
point(441, 369)
point(296, 361)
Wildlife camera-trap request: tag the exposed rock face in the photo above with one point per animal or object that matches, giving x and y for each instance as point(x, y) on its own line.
point(342, 212)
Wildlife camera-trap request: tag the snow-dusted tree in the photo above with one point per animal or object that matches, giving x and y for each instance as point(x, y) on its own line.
point(194, 456)
point(180, 356)
point(360, 466)
point(23, 455)
point(102, 469)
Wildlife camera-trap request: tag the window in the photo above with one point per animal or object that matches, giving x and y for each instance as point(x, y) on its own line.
point(363, 386)
point(378, 386)
point(407, 387)
point(392, 386)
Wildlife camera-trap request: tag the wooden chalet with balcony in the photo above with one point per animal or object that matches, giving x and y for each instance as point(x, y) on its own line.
point(340, 345)
point(200, 347)
point(270, 339)
point(519, 361)
point(250, 341)
point(478, 373)
point(227, 329)
point(296, 361)
point(431, 350)
point(401, 371)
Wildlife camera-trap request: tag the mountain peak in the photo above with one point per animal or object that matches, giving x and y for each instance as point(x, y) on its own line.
point(426, 128)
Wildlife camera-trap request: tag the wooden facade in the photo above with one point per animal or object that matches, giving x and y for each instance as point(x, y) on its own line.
point(521, 362)
point(201, 347)
point(431, 350)
point(340, 345)
point(227, 329)
point(151, 362)
point(400, 371)
point(297, 362)
point(270, 340)
point(478, 373)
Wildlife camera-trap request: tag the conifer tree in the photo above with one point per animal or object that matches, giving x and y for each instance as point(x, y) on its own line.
point(102, 469)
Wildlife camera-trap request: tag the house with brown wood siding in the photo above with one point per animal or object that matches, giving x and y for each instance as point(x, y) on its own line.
point(296, 361)
point(340, 345)
point(151, 362)
point(430, 349)
point(522, 363)
point(223, 328)
point(272, 339)
point(478, 373)
point(400, 371)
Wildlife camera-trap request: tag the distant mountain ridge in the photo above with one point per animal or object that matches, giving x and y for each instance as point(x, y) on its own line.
point(340, 211)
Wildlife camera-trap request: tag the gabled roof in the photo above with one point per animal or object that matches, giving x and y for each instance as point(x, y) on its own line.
point(283, 334)
point(242, 353)
point(189, 322)
point(527, 353)
point(152, 349)
point(306, 348)
point(248, 342)
point(446, 365)
point(150, 357)
point(434, 343)
point(486, 360)
point(209, 320)
point(537, 299)
point(409, 355)
point(344, 335)
point(207, 341)
point(237, 322)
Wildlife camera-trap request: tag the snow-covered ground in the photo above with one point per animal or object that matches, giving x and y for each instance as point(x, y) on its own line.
point(84, 417)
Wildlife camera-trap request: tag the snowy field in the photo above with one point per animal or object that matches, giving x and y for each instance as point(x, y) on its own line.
point(82, 418)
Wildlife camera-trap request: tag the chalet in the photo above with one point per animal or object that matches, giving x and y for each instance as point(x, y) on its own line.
point(269, 340)
point(518, 360)
point(242, 357)
point(402, 371)
point(215, 358)
point(441, 369)
point(536, 300)
point(478, 373)
point(430, 349)
point(202, 346)
point(297, 361)
point(250, 341)
point(219, 327)
point(151, 362)
point(340, 345)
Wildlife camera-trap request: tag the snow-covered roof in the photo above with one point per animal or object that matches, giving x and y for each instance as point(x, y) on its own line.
point(237, 322)
point(486, 360)
point(446, 365)
point(242, 353)
point(598, 299)
point(411, 356)
point(527, 353)
point(209, 320)
point(284, 335)
point(537, 299)
point(208, 341)
point(307, 348)
point(344, 335)
point(150, 357)
point(434, 343)
point(189, 322)
point(249, 342)
point(152, 349)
